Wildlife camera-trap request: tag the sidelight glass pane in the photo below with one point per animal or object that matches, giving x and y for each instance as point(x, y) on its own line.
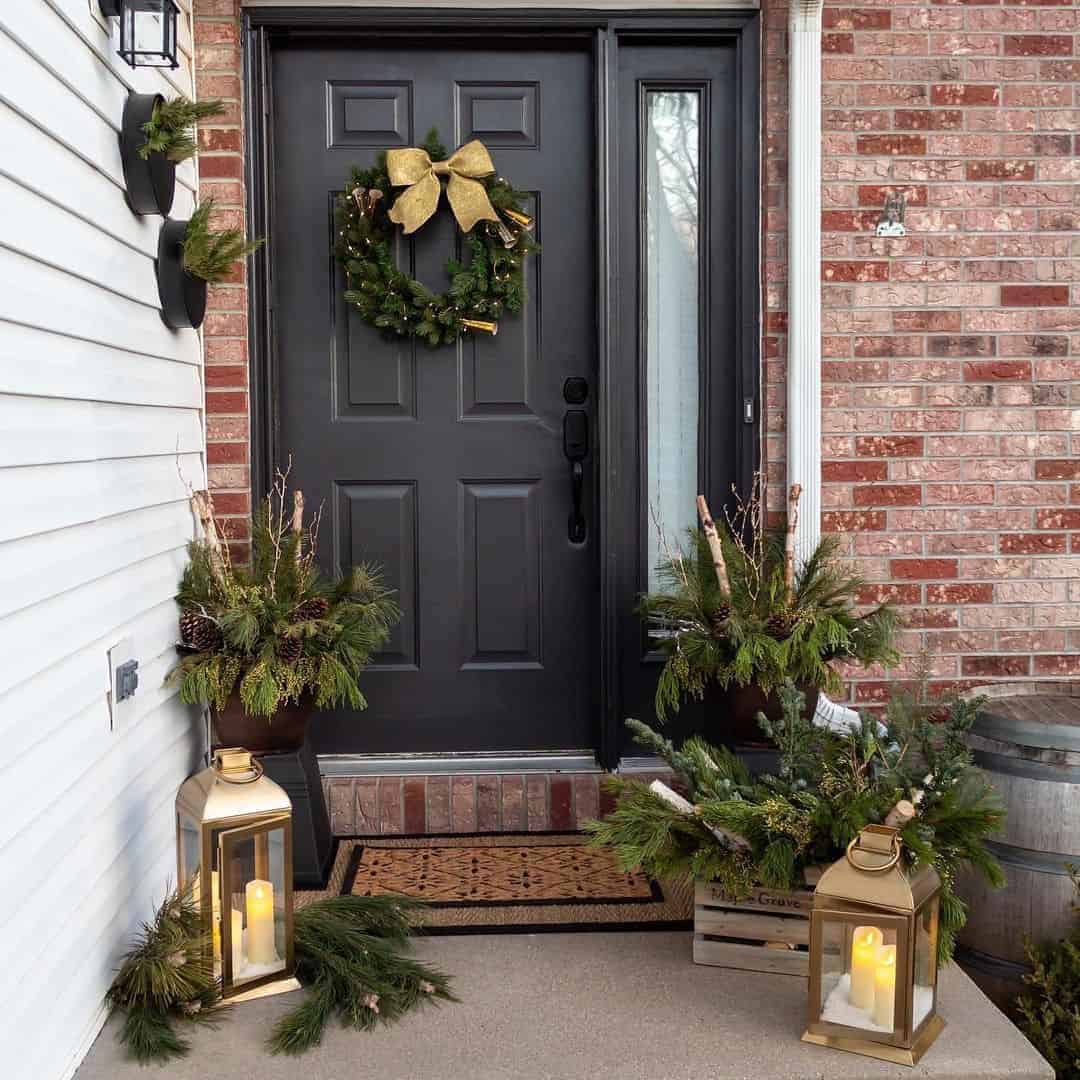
point(673, 228)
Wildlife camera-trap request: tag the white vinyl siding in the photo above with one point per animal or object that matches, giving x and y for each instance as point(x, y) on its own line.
point(101, 424)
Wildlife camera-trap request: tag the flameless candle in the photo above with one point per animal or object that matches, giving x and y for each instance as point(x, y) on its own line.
point(237, 943)
point(865, 943)
point(260, 922)
point(885, 986)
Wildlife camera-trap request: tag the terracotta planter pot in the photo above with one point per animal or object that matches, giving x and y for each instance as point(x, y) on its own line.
point(739, 706)
point(284, 731)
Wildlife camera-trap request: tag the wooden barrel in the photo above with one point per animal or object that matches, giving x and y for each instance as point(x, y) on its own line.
point(1027, 739)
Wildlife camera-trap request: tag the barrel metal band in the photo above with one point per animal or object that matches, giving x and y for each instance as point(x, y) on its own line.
point(1031, 770)
point(1042, 862)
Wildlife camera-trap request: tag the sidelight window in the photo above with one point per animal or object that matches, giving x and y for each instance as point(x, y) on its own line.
point(671, 274)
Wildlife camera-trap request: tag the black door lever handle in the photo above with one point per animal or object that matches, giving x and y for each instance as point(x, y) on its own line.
point(576, 449)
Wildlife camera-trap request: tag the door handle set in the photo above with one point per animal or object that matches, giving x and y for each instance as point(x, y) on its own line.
point(576, 449)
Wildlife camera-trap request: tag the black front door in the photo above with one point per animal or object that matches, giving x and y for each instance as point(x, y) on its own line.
point(446, 466)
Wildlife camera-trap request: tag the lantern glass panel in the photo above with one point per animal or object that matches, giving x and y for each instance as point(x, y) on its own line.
point(148, 33)
point(255, 899)
point(926, 948)
point(862, 962)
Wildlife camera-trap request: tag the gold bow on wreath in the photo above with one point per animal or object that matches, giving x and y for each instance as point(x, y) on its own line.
point(468, 198)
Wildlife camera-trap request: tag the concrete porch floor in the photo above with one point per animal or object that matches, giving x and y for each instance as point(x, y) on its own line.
point(597, 1006)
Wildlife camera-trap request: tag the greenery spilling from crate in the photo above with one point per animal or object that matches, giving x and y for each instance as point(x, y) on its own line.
point(744, 831)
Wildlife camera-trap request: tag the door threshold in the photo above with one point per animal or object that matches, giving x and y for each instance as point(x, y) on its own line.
point(526, 761)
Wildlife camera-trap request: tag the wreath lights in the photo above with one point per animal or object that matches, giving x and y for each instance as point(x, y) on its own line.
point(490, 214)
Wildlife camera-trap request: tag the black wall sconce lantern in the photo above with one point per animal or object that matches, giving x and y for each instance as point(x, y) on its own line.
point(147, 30)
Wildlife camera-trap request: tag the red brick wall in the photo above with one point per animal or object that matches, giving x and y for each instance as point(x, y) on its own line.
point(951, 357)
point(217, 75)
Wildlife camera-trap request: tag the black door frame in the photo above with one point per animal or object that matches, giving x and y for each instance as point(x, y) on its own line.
point(603, 32)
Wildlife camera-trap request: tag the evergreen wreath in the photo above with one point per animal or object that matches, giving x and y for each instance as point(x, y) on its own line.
point(491, 283)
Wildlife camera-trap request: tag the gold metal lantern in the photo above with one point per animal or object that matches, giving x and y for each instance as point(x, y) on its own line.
point(234, 845)
point(873, 953)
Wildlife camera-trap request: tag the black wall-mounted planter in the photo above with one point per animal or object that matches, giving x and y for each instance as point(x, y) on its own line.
point(183, 296)
point(151, 182)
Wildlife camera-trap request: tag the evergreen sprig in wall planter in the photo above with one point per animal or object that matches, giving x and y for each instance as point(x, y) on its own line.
point(150, 178)
point(191, 255)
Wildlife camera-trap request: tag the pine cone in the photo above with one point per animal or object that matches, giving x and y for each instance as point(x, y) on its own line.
point(199, 632)
point(315, 608)
point(719, 620)
point(780, 625)
point(289, 649)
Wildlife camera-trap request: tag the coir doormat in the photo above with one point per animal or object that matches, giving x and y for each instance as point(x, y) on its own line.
point(510, 882)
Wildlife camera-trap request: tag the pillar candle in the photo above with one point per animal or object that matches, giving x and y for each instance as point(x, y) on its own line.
point(885, 987)
point(865, 943)
point(237, 944)
point(260, 922)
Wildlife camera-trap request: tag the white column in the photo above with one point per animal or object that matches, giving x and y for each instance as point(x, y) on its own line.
point(804, 267)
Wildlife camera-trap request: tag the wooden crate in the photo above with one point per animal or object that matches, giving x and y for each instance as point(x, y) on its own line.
point(769, 930)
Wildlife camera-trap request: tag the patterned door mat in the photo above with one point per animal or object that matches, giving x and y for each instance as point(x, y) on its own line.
point(508, 882)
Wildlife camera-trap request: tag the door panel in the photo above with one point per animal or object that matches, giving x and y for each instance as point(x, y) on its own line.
point(446, 466)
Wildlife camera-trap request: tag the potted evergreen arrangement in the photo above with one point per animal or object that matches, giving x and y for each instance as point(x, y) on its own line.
point(734, 613)
point(155, 136)
point(192, 255)
point(265, 647)
point(913, 770)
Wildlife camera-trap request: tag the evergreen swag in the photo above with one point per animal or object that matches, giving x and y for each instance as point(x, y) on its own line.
point(732, 608)
point(1049, 1006)
point(493, 281)
point(278, 632)
point(829, 785)
point(171, 128)
point(349, 955)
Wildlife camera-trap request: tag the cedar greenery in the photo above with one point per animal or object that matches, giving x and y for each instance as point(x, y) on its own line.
point(493, 281)
point(171, 128)
point(278, 632)
point(828, 787)
point(1049, 1006)
point(166, 977)
point(769, 624)
point(209, 254)
point(349, 957)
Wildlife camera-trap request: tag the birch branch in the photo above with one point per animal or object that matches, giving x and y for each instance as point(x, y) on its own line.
point(900, 814)
point(204, 508)
point(674, 799)
point(298, 524)
point(715, 547)
point(789, 540)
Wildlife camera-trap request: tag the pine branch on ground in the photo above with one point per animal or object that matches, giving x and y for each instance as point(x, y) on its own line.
point(166, 977)
point(350, 956)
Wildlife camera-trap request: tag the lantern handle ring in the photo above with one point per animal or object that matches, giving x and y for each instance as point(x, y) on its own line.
point(894, 858)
